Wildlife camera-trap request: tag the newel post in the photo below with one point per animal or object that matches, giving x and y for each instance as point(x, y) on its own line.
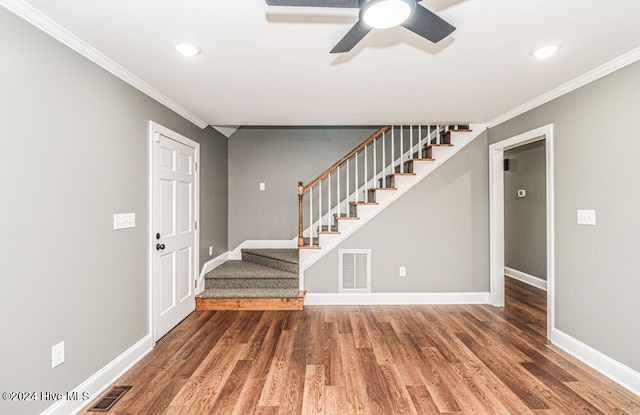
point(300, 194)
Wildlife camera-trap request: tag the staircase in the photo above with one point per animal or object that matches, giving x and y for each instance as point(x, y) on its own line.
point(331, 207)
point(368, 179)
point(265, 279)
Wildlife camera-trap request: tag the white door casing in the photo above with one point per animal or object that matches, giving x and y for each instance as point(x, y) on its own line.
point(174, 239)
point(496, 216)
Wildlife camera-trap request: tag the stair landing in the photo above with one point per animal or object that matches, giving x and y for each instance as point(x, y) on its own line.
point(265, 279)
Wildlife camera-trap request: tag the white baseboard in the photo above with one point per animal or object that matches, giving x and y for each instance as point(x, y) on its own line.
point(395, 298)
point(526, 278)
point(266, 244)
point(103, 378)
point(614, 370)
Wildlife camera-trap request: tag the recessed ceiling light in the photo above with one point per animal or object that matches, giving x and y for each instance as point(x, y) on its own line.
point(186, 48)
point(545, 51)
point(383, 14)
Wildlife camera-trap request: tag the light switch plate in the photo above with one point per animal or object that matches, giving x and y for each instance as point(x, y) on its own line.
point(263, 186)
point(124, 220)
point(522, 193)
point(586, 217)
point(403, 271)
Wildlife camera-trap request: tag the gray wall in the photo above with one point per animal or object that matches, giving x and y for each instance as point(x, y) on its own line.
point(74, 152)
point(280, 157)
point(525, 222)
point(595, 161)
point(438, 230)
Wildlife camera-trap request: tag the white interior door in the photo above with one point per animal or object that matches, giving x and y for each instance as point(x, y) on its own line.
point(174, 229)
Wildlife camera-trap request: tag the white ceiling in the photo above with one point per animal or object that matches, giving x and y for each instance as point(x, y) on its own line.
point(265, 65)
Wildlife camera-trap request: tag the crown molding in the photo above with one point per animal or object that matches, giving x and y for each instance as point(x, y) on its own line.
point(53, 29)
point(578, 82)
point(226, 130)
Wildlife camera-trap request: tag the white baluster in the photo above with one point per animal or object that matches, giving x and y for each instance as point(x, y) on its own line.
point(329, 208)
point(347, 198)
point(366, 172)
point(419, 142)
point(384, 158)
point(401, 148)
point(375, 169)
point(338, 203)
point(393, 154)
point(311, 216)
point(411, 141)
point(355, 186)
point(320, 205)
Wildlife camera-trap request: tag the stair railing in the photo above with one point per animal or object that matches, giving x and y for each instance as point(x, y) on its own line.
point(346, 183)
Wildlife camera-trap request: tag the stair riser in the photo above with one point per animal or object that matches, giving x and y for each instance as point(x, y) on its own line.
point(251, 283)
point(270, 262)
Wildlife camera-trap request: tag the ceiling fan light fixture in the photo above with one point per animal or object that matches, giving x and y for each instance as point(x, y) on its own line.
point(384, 14)
point(186, 49)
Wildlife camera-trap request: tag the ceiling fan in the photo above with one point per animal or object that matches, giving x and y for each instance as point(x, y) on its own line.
point(380, 14)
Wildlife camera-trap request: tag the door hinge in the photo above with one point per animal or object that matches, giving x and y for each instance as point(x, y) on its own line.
point(196, 166)
point(196, 225)
point(156, 136)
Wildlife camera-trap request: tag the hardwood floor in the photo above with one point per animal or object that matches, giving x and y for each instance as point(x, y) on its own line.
point(463, 359)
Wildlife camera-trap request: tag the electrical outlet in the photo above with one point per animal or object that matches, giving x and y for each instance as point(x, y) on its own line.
point(57, 355)
point(403, 271)
point(210, 250)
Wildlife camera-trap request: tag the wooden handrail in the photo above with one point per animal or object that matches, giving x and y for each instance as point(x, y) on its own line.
point(345, 158)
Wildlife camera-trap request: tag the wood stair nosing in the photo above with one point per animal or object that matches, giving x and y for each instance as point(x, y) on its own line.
point(251, 303)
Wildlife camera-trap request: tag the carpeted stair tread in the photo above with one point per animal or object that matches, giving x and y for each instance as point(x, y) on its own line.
point(245, 269)
point(251, 293)
point(213, 283)
point(286, 255)
point(282, 259)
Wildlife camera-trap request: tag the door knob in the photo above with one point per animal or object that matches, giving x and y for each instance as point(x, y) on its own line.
point(158, 235)
point(159, 247)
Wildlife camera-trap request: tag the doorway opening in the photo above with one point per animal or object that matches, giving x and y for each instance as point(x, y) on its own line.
point(497, 215)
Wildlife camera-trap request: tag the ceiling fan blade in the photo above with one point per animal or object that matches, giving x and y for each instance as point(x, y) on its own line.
point(353, 36)
point(428, 25)
point(351, 4)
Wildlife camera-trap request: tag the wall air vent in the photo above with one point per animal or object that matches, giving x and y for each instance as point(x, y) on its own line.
point(354, 270)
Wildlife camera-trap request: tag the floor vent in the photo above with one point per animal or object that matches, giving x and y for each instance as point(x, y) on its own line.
point(355, 270)
point(109, 399)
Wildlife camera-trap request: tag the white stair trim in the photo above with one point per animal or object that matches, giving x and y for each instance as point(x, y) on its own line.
point(262, 244)
point(308, 257)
